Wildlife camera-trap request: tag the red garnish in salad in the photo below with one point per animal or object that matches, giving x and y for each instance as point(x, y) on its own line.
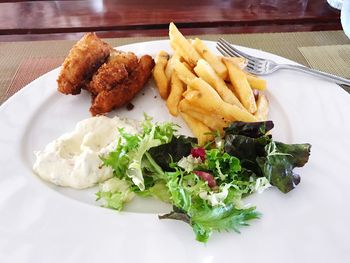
point(206, 177)
point(198, 152)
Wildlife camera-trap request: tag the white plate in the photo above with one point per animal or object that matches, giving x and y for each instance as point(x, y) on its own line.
point(43, 223)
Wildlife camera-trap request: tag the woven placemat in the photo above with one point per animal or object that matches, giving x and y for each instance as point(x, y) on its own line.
point(334, 59)
point(22, 62)
point(30, 69)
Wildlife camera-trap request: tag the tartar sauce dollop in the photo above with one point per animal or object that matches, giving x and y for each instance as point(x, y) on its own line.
point(73, 159)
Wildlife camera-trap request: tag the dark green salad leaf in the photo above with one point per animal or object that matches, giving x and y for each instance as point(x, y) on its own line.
point(247, 149)
point(259, 154)
point(173, 151)
point(205, 186)
point(277, 166)
point(176, 214)
point(249, 129)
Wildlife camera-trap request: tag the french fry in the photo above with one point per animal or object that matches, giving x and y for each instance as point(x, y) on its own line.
point(207, 73)
point(262, 108)
point(208, 120)
point(240, 62)
point(203, 96)
point(240, 83)
point(183, 72)
point(214, 122)
point(176, 90)
point(178, 50)
point(230, 86)
point(202, 132)
point(255, 82)
point(170, 66)
point(188, 66)
point(210, 57)
point(179, 41)
point(159, 74)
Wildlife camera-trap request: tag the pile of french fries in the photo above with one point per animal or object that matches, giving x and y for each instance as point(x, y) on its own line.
point(207, 91)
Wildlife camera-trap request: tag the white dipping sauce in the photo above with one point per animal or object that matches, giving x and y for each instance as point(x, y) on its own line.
point(73, 159)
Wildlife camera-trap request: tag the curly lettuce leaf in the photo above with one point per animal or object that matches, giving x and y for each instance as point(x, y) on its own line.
point(151, 168)
point(119, 160)
point(206, 219)
point(127, 159)
point(223, 165)
point(115, 193)
point(134, 171)
point(158, 190)
point(194, 203)
point(219, 218)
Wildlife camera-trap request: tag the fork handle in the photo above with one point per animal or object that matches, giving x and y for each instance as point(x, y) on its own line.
point(317, 73)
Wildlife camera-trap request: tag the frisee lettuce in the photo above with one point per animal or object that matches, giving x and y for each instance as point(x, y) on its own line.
point(130, 151)
point(115, 193)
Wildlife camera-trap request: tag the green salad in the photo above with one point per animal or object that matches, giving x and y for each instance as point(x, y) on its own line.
point(205, 185)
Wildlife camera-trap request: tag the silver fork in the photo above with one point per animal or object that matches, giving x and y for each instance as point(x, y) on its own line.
point(261, 66)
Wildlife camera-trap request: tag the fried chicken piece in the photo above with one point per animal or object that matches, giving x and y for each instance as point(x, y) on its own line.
point(124, 92)
point(118, 67)
point(128, 59)
point(86, 56)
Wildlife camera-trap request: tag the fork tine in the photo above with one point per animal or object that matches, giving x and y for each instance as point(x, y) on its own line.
point(239, 52)
point(250, 66)
point(227, 45)
point(255, 65)
point(227, 51)
point(222, 51)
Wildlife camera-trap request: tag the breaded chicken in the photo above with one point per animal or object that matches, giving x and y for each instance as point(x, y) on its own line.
point(112, 77)
point(118, 67)
point(125, 91)
point(86, 56)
